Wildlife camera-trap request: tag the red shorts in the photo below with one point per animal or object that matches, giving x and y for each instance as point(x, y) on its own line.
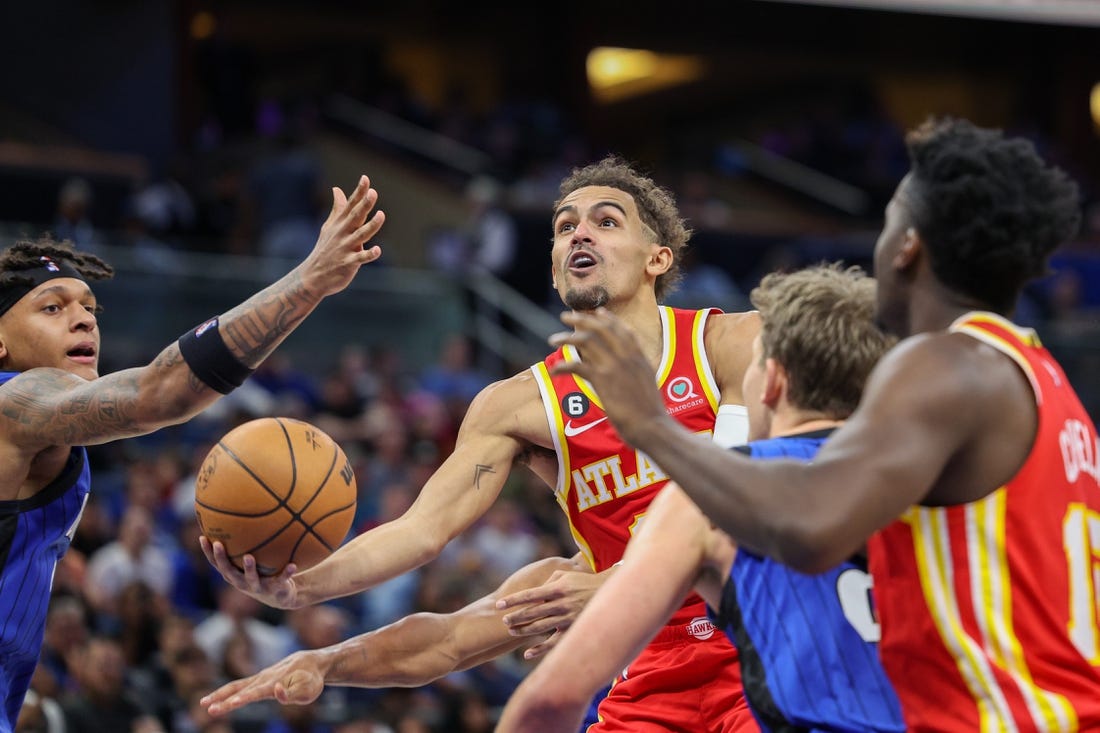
point(680, 682)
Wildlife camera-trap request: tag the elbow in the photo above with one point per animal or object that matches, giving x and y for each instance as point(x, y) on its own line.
point(807, 545)
point(428, 546)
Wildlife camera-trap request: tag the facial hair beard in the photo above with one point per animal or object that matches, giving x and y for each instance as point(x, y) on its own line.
point(587, 300)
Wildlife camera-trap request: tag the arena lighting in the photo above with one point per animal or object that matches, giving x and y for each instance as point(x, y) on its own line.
point(1055, 12)
point(618, 73)
point(1094, 105)
point(203, 25)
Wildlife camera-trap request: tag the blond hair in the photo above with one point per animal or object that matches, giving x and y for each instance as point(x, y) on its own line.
point(818, 323)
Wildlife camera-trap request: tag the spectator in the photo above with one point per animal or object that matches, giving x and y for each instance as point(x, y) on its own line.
point(129, 558)
point(72, 221)
point(236, 615)
point(103, 704)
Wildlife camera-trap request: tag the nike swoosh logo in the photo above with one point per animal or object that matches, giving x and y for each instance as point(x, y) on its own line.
point(571, 430)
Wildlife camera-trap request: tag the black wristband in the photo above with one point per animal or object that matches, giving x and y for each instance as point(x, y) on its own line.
point(204, 350)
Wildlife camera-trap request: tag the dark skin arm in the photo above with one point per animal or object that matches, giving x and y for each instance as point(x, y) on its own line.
point(49, 407)
point(408, 653)
point(949, 438)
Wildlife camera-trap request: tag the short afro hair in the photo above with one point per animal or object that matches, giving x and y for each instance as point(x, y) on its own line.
point(989, 209)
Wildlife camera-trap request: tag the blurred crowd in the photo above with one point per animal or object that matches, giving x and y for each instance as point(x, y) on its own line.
point(141, 626)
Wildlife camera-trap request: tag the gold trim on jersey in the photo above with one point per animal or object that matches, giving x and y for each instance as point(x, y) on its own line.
point(561, 448)
point(668, 352)
point(991, 599)
point(702, 364)
point(932, 551)
point(569, 353)
point(991, 588)
point(968, 324)
point(668, 342)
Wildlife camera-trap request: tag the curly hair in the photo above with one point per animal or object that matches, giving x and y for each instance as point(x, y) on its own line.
point(819, 324)
point(25, 255)
point(988, 208)
point(656, 206)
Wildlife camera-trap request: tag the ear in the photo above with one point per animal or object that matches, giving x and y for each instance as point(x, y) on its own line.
point(553, 278)
point(660, 260)
point(3, 349)
point(775, 383)
point(911, 247)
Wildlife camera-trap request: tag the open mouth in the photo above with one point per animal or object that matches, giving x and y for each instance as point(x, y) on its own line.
point(82, 353)
point(581, 260)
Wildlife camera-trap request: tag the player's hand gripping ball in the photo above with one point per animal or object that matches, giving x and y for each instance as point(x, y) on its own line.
point(278, 489)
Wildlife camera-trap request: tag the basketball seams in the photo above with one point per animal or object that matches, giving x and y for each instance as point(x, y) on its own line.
point(252, 473)
point(316, 493)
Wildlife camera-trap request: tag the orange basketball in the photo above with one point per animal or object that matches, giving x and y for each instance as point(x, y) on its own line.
point(278, 489)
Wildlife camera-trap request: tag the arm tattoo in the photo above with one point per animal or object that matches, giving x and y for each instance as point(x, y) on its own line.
point(170, 359)
point(481, 468)
point(76, 418)
point(253, 329)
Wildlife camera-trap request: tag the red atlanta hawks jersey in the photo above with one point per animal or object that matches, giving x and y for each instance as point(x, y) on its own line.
point(989, 610)
point(604, 485)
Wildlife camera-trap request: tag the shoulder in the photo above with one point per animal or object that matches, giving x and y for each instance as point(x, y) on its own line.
point(509, 406)
point(740, 327)
point(933, 357)
point(30, 401)
point(948, 373)
point(728, 341)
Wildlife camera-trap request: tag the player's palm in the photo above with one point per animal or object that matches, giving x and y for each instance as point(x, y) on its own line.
point(341, 247)
point(296, 680)
point(277, 591)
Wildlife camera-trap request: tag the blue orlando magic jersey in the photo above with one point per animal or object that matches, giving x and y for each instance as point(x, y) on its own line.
point(807, 643)
point(34, 534)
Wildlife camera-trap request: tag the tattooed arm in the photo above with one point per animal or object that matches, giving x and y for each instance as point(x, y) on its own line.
point(501, 421)
point(44, 407)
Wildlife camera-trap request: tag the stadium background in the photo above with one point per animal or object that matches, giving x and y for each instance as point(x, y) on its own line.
point(193, 144)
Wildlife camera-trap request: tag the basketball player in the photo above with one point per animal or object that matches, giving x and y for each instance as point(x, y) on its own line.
point(617, 243)
point(970, 468)
point(52, 399)
point(805, 642)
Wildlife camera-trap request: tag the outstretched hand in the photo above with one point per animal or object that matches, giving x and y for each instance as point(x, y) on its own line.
point(341, 247)
point(297, 680)
point(613, 362)
point(278, 591)
point(550, 608)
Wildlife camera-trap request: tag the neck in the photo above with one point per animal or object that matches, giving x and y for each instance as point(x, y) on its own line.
point(643, 318)
point(800, 421)
point(933, 307)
